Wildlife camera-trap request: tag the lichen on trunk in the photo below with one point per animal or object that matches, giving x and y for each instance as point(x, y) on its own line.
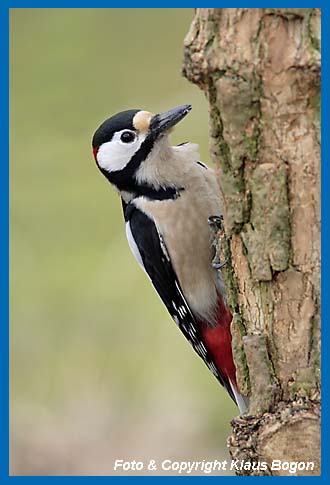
point(260, 70)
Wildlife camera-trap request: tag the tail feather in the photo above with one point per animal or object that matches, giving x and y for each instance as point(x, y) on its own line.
point(241, 401)
point(218, 342)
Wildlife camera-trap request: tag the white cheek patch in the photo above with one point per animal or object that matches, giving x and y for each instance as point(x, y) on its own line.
point(114, 155)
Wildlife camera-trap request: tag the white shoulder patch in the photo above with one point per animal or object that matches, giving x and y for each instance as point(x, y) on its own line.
point(133, 245)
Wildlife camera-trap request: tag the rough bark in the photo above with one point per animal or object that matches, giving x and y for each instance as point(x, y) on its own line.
point(260, 70)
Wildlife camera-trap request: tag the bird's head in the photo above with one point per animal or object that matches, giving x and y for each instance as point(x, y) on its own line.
point(124, 141)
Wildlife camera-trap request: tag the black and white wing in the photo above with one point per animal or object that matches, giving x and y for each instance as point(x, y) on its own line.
point(149, 249)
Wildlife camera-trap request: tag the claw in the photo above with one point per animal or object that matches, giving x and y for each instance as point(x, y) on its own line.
point(218, 264)
point(215, 222)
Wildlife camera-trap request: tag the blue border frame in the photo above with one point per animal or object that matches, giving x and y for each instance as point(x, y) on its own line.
point(182, 4)
point(4, 241)
point(4, 227)
point(325, 234)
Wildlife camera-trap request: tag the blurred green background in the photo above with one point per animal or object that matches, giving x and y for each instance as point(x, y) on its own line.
point(98, 369)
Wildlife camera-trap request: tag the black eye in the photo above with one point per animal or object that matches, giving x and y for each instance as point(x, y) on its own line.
point(127, 137)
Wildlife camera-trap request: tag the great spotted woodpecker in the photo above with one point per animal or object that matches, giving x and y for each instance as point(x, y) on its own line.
point(167, 196)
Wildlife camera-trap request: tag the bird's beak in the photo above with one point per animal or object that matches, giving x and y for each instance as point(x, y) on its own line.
point(163, 122)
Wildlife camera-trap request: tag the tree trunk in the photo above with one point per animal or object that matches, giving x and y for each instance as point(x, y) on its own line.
point(260, 70)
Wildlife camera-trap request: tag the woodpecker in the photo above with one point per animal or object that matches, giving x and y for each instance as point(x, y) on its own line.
point(168, 195)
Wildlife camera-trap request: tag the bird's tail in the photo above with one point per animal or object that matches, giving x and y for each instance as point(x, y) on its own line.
point(241, 401)
point(218, 342)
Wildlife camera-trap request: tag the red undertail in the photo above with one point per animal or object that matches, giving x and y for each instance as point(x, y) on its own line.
point(218, 342)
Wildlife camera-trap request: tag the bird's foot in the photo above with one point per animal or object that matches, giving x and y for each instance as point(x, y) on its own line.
point(216, 224)
point(216, 264)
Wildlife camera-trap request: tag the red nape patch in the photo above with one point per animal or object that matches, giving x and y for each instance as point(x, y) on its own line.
point(95, 150)
point(218, 342)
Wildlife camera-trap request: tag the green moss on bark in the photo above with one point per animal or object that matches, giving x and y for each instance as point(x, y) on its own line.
point(267, 235)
